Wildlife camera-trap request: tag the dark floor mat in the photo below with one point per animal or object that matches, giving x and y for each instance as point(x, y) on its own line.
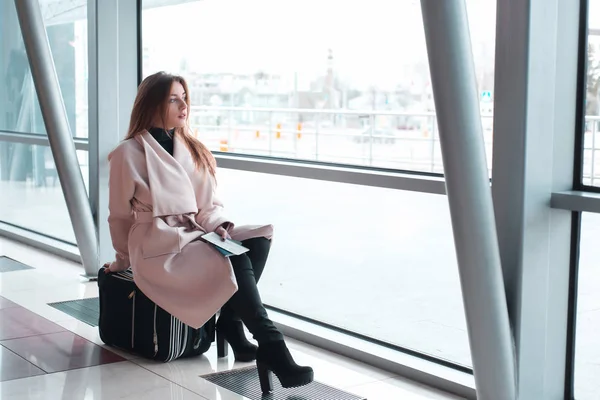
point(85, 310)
point(244, 381)
point(8, 265)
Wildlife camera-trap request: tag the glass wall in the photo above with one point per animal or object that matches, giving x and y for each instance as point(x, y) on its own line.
point(591, 164)
point(311, 80)
point(67, 34)
point(315, 81)
point(587, 345)
point(27, 173)
point(379, 262)
point(32, 196)
point(587, 354)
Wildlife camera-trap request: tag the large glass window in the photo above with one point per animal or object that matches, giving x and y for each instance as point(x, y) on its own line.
point(313, 80)
point(31, 193)
point(587, 353)
point(379, 262)
point(343, 84)
point(587, 345)
point(32, 197)
point(66, 26)
point(591, 164)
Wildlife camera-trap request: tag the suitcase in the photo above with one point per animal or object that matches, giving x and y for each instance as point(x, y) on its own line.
point(131, 321)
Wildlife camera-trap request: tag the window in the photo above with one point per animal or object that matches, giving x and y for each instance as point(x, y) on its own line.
point(587, 348)
point(310, 80)
point(383, 268)
point(66, 27)
point(31, 194)
point(313, 81)
point(587, 352)
point(591, 172)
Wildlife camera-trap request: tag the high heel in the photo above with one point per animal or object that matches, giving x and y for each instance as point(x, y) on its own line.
point(265, 377)
point(276, 358)
point(232, 332)
point(222, 346)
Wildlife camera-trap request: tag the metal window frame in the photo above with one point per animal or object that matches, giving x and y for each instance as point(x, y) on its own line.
point(40, 241)
point(576, 201)
point(534, 158)
point(38, 140)
point(113, 70)
point(59, 136)
point(334, 173)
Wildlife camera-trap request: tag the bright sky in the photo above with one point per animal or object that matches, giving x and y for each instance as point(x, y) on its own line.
point(373, 41)
point(594, 14)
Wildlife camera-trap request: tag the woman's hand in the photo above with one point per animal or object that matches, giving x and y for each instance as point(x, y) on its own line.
point(222, 231)
point(107, 267)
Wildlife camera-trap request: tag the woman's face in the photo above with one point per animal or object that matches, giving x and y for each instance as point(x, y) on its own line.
point(176, 107)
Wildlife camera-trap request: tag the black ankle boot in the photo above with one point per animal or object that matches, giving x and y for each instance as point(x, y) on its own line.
point(232, 332)
point(275, 357)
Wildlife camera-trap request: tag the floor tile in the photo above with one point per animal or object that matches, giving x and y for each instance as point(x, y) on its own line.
point(334, 369)
point(37, 300)
point(14, 367)
point(42, 261)
point(92, 334)
point(34, 279)
point(122, 380)
point(18, 322)
point(186, 372)
point(60, 351)
point(399, 388)
point(5, 303)
point(331, 369)
point(61, 347)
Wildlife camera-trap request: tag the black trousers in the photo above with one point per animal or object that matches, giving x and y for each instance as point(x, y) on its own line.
point(246, 304)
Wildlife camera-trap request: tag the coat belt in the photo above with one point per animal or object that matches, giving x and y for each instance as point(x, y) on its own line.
point(186, 219)
point(143, 216)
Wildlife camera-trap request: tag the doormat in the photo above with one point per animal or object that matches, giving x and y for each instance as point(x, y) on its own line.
point(244, 381)
point(7, 264)
point(85, 310)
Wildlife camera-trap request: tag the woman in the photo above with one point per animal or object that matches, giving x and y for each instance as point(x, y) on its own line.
point(161, 201)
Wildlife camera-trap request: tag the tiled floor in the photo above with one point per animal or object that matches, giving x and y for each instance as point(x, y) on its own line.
point(46, 354)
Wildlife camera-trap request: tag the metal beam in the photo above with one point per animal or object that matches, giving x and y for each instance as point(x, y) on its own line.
point(470, 198)
point(57, 126)
point(573, 200)
point(36, 139)
point(536, 77)
point(112, 40)
point(40, 241)
point(357, 176)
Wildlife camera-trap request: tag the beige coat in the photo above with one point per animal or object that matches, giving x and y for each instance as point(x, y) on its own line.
point(159, 206)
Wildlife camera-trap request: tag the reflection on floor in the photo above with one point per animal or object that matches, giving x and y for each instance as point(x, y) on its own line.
point(46, 354)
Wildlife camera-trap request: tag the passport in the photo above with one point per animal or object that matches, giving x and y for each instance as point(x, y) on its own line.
point(227, 247)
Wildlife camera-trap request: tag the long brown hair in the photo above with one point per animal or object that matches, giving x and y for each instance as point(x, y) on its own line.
point(151, 100)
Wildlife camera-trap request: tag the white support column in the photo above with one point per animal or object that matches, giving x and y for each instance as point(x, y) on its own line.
point(59, 132)
point(534, 133)
point(113, 79)
point(470, 198)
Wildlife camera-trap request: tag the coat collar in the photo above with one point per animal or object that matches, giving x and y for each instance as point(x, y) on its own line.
point(169, 177)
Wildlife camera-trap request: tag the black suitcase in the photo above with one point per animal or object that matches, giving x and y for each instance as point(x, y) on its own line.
point(129, 320)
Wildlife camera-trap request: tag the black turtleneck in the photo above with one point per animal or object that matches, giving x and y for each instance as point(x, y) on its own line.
point(164, 137)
